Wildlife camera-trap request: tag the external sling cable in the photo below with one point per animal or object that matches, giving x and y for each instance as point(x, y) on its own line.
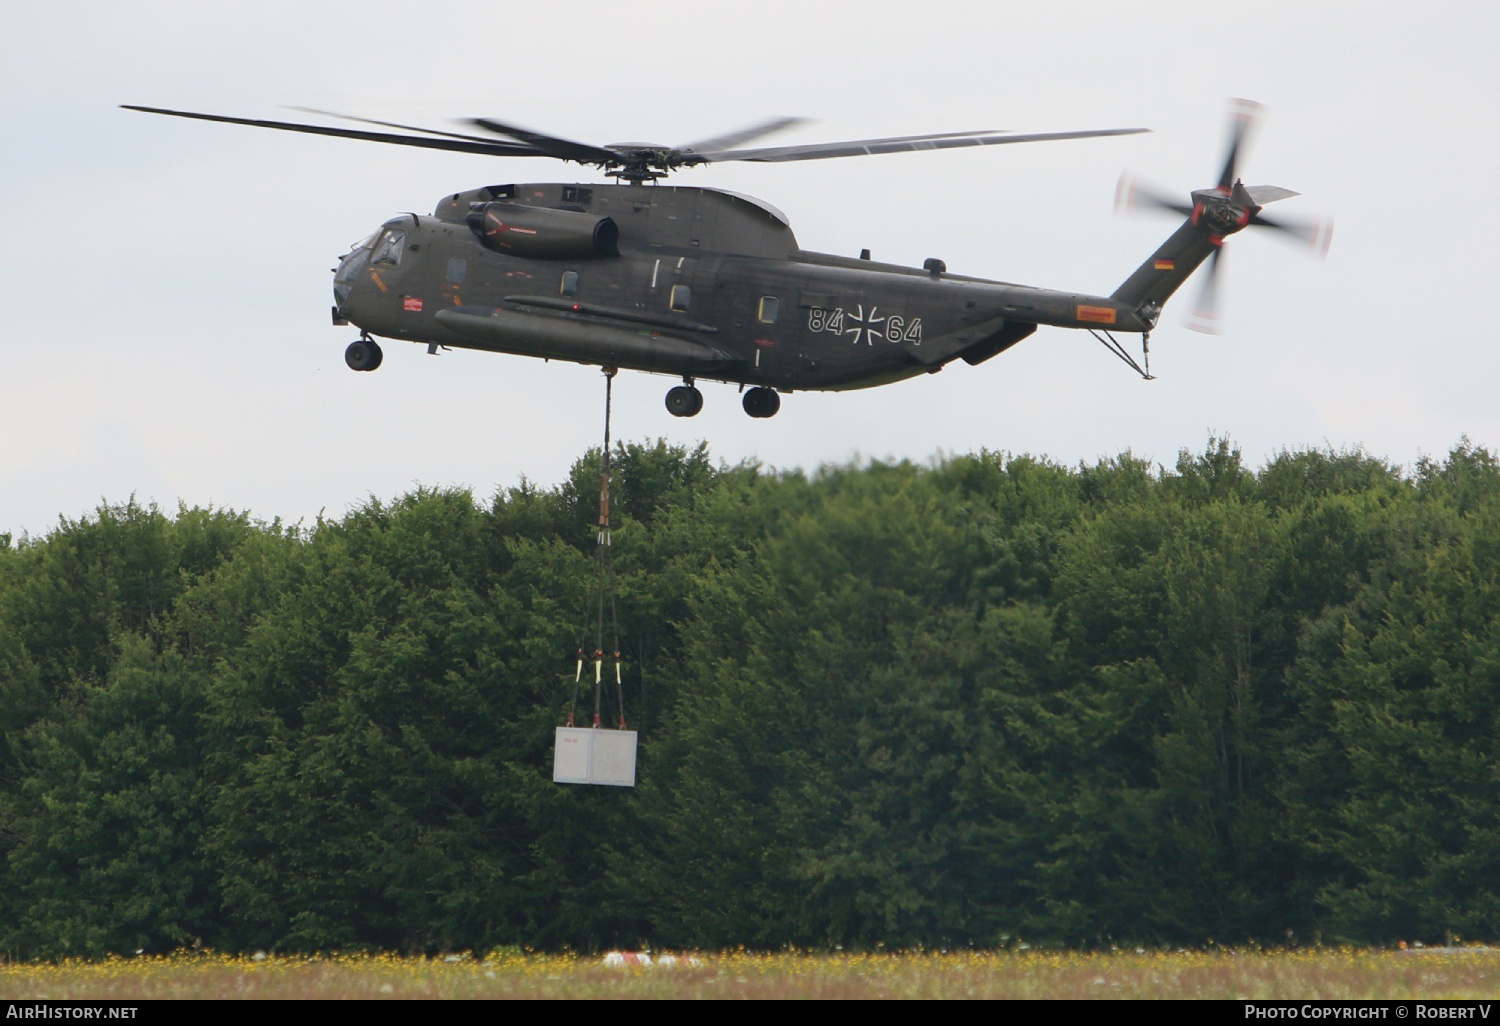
point(602, 551)
point(602, 582)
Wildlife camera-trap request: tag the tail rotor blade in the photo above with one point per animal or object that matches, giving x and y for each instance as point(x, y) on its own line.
point(1316, 234)
point(1205, 318)
point(1244, 115)
point(1132, 193)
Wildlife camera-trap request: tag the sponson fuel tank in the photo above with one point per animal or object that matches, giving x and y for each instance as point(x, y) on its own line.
point(542, 233)
point(582, 338)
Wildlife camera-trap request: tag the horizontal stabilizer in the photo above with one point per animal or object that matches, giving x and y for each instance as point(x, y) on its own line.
point(1263, 194)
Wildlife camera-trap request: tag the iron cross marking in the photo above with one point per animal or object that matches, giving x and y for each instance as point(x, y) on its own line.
point(865, 327)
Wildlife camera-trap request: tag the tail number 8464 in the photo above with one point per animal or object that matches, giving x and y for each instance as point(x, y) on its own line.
point(865, 327)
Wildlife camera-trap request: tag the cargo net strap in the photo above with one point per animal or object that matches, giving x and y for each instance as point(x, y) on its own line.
point(601, 591)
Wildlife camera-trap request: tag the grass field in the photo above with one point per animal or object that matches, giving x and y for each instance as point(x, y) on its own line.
point(1305, 974)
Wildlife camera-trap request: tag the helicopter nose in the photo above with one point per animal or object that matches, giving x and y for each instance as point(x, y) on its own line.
point(343, 276)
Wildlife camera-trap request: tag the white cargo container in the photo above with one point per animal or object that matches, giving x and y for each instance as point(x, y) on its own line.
point(589, 755)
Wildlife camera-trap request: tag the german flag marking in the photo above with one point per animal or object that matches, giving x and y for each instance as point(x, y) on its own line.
point(1165, 265)
point(1096, 314)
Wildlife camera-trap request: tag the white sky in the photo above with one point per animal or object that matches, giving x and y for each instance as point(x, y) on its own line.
point(166, 283)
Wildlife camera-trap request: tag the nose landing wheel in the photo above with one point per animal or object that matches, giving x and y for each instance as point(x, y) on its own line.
point(363, 355)
point(684, 401)
point(762, 402)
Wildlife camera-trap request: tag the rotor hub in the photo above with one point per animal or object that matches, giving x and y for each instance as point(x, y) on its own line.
point(1221, 211)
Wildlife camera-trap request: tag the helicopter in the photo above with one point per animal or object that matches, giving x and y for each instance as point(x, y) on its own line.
point(706, 284)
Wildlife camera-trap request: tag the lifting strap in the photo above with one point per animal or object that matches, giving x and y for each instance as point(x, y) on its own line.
point(603, 588)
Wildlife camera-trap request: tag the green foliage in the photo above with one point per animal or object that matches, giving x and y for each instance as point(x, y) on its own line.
point(880, 704)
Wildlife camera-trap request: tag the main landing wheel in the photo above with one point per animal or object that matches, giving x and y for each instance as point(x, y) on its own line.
point(762, 402)
point(684, 401)
point(363, 355)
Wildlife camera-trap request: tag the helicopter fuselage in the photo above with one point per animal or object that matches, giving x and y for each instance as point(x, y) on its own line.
point(692, 282)
point(704, 283)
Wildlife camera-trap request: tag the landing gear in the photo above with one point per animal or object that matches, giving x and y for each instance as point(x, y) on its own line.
point(684, 401)
point(363, 355)
point(762, 402)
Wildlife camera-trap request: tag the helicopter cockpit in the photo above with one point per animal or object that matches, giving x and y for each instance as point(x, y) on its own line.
point(382, 249)
point(349, 266)
point(389, 248)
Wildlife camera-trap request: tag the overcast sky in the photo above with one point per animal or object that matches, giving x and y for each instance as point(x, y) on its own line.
point(166, 283)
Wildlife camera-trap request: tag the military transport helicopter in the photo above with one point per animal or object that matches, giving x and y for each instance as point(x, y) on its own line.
point(703, 283)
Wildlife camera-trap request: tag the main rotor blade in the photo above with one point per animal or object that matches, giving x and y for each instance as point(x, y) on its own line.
point(1205, 317)
point(1131, 193)
point(1243, 116)
point(495, 149)
point(389, 124)
point(1316, 234)
point(729, 140)
point(563, 149)
point(734, 154)
point(903, 144)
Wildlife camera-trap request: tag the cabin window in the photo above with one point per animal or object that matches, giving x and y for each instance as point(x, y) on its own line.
point(681, 297)
point(388, 249)
point(770, 306)
point(569, 283)
point(458, 267)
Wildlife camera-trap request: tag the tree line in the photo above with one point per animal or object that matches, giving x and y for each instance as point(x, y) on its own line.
point(992, 698)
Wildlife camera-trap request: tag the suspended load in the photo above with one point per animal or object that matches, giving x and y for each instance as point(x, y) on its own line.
point(590, 755)
point(596, 754)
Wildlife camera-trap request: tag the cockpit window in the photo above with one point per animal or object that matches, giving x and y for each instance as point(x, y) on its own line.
point(388, 249)
point(349, 267)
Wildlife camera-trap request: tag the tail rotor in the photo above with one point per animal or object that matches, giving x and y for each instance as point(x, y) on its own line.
point(1220, 211)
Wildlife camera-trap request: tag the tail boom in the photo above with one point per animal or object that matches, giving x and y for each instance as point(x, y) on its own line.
point(1163, 273)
